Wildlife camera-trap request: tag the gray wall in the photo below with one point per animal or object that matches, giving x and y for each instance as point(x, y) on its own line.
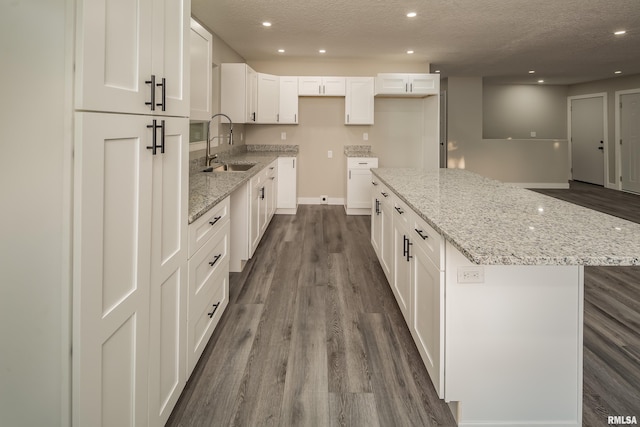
point(35, 231)
point(609, 86)
point(542, 162)
point(514, 111)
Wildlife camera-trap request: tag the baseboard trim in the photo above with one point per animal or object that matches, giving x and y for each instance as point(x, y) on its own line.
point(541, 185)
point(286, 211)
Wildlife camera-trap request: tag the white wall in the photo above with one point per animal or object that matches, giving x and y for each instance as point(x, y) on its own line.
point(35, 190)
point(514, 111)
point(540, 163)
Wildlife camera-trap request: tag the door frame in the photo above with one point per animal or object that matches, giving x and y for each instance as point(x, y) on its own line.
point(605, 131)
point(617, 184)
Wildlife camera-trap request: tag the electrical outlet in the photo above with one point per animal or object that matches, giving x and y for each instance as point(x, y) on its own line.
point(533, 134)
point(471, 274)
point(365, 136)
point(324, 200)
point(283, 136)
point(330, 154)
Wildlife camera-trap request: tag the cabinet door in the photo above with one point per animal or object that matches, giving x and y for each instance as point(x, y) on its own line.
point(168, 292)
point(387, 257)
point(251, 95)
point(201, 70)
point(376, 224)
point(391, 83)
point(113, 57)
point(272, 195)
point(334, 86)
point(255, 220)
point(309, 86)
point(268, 98)
point(427, 325)
point(287, 183)
point(170, 55)
point(402, 269)
point(358, 189)
point(288, 109)
point(359, 101)
point(112, 247)
point(428, 84)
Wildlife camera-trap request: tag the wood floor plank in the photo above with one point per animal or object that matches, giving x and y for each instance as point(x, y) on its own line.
point(353, 410)
point(347, 359)
point(262, 389)
point(213, 396)
point(315, 264)
point(306, 396)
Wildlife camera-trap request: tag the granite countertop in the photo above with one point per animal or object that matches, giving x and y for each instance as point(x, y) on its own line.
point(207, 189)
point(358, 151)
point(500, 224)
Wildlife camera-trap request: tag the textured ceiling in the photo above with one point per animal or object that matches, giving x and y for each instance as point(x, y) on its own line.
point(565, 41)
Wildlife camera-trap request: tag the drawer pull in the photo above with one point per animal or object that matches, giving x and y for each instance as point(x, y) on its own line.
point(377, 207)
point(215, 307)
point(400, 211)
point(374, 183)
point(421, 235)
point(363, 163)
point(215, 219)
point(216, 258)
point(385, 194)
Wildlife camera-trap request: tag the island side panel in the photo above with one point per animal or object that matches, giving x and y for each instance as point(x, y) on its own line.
point(514, 344)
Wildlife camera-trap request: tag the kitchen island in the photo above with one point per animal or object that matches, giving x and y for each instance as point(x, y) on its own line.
point(490, 280)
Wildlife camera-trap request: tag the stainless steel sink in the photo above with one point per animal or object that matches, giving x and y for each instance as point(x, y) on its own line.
point(230, 168)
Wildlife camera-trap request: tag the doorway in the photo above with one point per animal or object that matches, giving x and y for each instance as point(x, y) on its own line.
point(628, 137)
point(587, 138)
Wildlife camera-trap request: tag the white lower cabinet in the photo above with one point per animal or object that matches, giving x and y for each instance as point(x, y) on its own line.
point(208, 283)
point(287, 194)
point(411, 254)
point(358, 185)
point(129, 268)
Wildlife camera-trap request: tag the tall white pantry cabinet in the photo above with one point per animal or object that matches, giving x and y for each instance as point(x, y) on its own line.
point(130, 210)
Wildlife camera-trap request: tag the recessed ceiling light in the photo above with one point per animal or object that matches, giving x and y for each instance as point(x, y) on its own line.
point(620, 32)
point(618, 72)
point(540, 81)
point(411, 15)
point(281, 50)
point(266, 24)
point(532, 71)
point(410, 52)
point(322, 51)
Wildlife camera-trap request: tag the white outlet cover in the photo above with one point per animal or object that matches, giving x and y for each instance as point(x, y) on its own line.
point(533, 134)
point(283, 136)
point(365, 136)
point(330, 154)
point(470, 274)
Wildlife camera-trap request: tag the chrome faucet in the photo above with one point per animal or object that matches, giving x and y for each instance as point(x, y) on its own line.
point(215, 156)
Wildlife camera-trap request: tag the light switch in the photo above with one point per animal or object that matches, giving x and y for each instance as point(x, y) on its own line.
point(533, 134)
point(330, 154)
point(283, 136)
point(365, 136)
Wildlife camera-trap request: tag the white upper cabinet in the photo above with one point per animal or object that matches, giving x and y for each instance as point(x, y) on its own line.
point(359, 101)
point(288, 111)
point(321, 86)
point(268, 98)
point(133, 57)
point(238, 92)
point(201, 68)
point(407, 84)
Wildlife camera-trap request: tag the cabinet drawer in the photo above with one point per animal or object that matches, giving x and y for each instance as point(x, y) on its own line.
point(272, 169)
point(207, 225)
point(362, 162)
point(205, 311)
point(429, 239)
point(211, 258)
point(401, 212)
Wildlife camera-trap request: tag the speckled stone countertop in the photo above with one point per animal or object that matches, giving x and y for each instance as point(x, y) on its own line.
point(495, 223)
point(207, 189)
point(358, 151)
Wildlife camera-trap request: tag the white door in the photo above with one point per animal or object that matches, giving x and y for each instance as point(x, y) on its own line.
point(287, 183)
point(424, 83)
point(251, 95)
point(358, 189)
point(630, 141)
point(170, 56)
point(201, 72)
point(288, 109)
point(114, 56)
point(587, 140)
point(387, 248)
point(168, 292)
point(402, 269)
point(112, 236)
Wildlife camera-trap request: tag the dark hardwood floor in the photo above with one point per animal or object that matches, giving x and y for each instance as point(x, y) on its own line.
point(313, 336)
